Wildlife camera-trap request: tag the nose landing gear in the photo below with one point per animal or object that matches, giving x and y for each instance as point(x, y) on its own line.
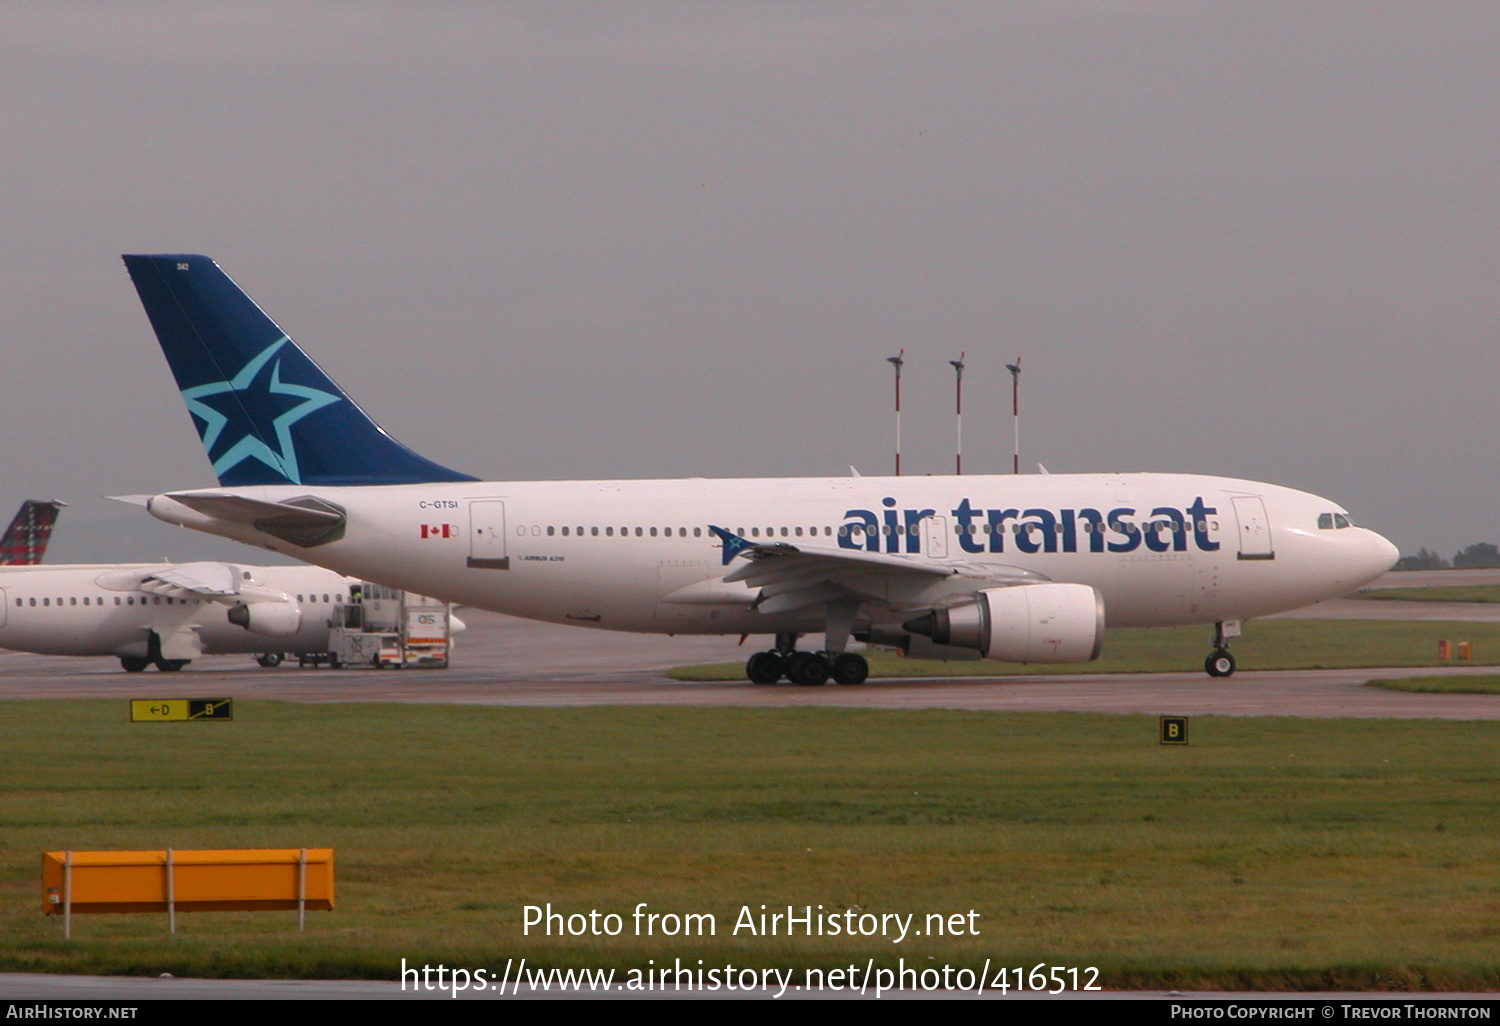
point(1219, 662)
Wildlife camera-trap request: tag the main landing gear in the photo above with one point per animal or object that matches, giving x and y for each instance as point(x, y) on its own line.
point(1219, 662)
point(806, 668)
point(135, 664)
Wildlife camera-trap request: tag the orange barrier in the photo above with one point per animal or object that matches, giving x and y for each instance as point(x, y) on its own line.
point(1464, 650)
point(186, 881)
point(1444, 650)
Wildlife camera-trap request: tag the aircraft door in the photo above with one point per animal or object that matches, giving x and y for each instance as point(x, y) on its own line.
point(1255, 527)
point(935, 537)
point(487, 535)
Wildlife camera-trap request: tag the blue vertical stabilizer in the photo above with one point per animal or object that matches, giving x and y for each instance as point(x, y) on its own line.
point(266, 413)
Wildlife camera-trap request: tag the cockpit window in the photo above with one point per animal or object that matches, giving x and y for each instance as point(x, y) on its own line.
point(1333, 521)
point(1341, 520)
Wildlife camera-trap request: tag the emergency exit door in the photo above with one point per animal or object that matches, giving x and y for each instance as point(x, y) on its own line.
point(487, 535)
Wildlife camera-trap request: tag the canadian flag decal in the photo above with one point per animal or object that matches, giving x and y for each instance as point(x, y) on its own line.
point(437, 530)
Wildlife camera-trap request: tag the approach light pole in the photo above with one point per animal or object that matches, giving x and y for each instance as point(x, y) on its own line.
point(1015, 412)
point(896, 362)
point(958, 412)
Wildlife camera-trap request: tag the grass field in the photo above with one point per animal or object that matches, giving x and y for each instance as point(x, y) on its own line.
point(1266, 645)
point(1268, 853)
point(1465, 685)
point(1437, 593)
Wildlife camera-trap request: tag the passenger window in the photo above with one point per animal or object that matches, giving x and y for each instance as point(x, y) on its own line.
point(697, 532)
point(551, 531)
point(594, 531)
point(609, 532)
point(653, 532)
point(638, 532)
point(565, 530)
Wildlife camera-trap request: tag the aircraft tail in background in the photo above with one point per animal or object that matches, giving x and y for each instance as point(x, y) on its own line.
point(25, 540)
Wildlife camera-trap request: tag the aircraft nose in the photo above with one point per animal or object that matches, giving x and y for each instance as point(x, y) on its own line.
point(1382, 555)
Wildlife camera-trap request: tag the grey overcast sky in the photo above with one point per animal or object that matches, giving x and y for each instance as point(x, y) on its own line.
point(580, 240)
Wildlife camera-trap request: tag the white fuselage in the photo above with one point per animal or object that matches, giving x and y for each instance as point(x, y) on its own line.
point(97, 609)
point(639, 555)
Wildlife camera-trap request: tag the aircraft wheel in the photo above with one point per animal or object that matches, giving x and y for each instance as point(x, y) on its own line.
point(808, 669)
point(1219, 663)
point(850, 668)
point(334, 662)
point(765, 667)
point(270, 660)
point(170, 665)
point(133, 664)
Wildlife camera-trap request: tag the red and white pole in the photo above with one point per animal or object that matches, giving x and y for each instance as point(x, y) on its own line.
point(1015, 412)
point(896, 362)
point(958, 412)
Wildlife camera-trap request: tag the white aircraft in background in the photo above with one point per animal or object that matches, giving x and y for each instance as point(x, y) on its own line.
point(168, 614)
point(1022, 569)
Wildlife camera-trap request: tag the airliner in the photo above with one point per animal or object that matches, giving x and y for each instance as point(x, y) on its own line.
point(167, 614)
point(1019, 568)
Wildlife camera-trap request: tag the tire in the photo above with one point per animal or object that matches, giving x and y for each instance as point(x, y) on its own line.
point(808, 669)
point(850, 668)
point(765, 667)
point(1219, 663)
point(270, 660)
point(170, 665)
point(134, 664)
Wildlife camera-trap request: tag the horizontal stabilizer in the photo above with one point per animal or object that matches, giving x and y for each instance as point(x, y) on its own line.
point(306, 520)
point(241, 509)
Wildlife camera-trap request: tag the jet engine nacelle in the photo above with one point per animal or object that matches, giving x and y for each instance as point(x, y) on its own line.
point(1032, 623)
point(273, 619)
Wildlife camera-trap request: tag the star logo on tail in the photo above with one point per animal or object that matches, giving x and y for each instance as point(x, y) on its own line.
point(246, 400)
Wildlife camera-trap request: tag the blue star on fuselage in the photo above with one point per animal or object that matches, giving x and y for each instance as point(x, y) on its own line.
point(259, 383)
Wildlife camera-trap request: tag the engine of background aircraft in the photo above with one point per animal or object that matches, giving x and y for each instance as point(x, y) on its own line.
point(273, 619)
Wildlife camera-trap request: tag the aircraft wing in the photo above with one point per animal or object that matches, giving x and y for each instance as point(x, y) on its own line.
point(792, 577)
point(201, 580)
